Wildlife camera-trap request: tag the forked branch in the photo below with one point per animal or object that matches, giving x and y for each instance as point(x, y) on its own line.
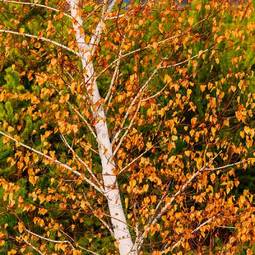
point(154, 219)
point(55, 161)
point(41, 38)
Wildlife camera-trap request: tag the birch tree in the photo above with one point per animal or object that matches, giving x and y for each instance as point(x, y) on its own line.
point(116, 127)
point(111, 190)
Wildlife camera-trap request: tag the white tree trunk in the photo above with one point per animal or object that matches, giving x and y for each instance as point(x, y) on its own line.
point(118, 219)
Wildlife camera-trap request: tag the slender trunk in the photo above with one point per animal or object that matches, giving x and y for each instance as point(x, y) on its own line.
point(118, 219)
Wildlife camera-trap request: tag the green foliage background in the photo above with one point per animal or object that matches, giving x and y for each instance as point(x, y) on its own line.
point(24, 60)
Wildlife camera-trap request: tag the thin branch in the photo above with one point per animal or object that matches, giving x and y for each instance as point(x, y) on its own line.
point(114, 17)
point(77, 245)
point(116, 71)
point(89, 251)
point(32, 246)
point(127, 130)
point(227, 166)
point(94, 41)
point(155, 95)
point(81, 161)
point(186, 60)
point(227, 227)
point(150, 46)
point(203, 224)
point(134, 100)
point(48, 239)
point(76, 111)
point(54, 161)
point(167, 248)
point(163, 196)
point(37, 5)
point(153, 220)
point(84, 120)
point(100, 219)
point(134, 160)
point(40, 38)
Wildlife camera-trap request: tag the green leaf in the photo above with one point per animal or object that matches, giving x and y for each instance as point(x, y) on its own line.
point(11, 78)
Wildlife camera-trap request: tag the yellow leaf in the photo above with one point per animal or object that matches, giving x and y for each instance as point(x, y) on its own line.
point(202, 88)
point(33, 179)
point(212, 177)
point(233, 88)
point(87, 38)
point(174, 138)
point(42, 211)
point(12, 252)
point(247, 130)
point(126, 202)
point(132, 183)
point(160, 27)
point(53, 61)
point(150, 112)
point(199, 162)
point(145, 188)
point(22, 30)
point(191, 20)
point(10, 129)
point(21, 227)
point(140, 22)
point(167, 79)
point(155, 45)
point(76, 252)
point(189, 92)
point(193, 121)
point(148, 145)
point(226, 123)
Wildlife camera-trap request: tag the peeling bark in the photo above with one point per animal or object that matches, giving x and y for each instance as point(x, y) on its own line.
point(112, 193)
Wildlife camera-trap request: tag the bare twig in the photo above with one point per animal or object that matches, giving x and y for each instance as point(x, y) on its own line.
point(167, 248)
point(32, 246)
point(153, 220)
point(227, 166)
point(186, 60)
point(155, 95)
point(81, 161)
point(100, 26)
point(127, 130)
point(150, 46)
point(84, 120)
point(100, 219)
point(114, 17)
point(134, 160)
point(37, 5)
point(58, 241)
point(40, 38)
point(203, 224)
point(113, 78)
point(134, 100)
point(48, 239)
point(55, 161)
point(77, 245)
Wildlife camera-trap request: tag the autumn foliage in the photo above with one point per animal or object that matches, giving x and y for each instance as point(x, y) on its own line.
point(178, 90)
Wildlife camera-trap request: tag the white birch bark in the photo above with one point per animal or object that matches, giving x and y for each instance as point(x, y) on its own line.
point(118, 219)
